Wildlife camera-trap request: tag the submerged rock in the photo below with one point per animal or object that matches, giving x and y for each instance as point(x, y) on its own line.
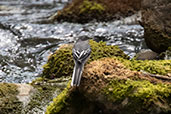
point(156, 21)
point(108, 87)
point(82, 11)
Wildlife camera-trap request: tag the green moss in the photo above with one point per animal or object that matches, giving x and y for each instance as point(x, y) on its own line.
point(90, 7)
point(9, 103)
point(142, 89)
point(101, 50)
point(142, 93)
point(162, 67)
point(61, 62)
point(59, 102)
point(72, 101)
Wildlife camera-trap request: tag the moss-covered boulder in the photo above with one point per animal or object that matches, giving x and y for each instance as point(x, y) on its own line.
point(61, 62)
point(157, 24)
point(109, 87)
point(82, 11)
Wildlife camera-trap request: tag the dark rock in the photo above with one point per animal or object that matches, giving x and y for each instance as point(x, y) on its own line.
point(156, 20)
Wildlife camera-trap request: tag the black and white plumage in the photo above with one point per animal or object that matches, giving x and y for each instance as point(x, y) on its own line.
point(81, 52)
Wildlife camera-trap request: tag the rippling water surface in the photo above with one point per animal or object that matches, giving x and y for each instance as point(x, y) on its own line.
point(25, 44)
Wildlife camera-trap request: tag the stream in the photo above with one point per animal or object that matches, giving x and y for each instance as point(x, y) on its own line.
point(25, 44)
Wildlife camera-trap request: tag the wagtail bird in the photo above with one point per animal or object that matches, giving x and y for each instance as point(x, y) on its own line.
point(81, 52)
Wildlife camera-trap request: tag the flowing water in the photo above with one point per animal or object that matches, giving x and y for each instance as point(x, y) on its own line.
point(25, 44)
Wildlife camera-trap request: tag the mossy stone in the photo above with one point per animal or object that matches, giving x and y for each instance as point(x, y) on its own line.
point(109, 87)
point(83, 11)
point(136, 95)
point(61, 62)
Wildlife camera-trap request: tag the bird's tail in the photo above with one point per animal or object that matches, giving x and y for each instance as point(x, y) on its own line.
point(76, 76)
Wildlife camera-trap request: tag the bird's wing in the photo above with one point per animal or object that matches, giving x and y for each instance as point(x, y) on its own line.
point(81, 55)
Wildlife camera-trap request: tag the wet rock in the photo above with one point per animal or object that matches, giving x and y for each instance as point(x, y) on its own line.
point(83, 11)
point(108, 87)
point(156, 21)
